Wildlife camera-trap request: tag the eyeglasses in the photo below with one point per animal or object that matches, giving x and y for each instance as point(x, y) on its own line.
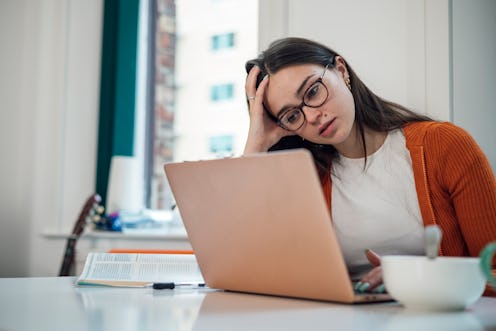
point(315, 96)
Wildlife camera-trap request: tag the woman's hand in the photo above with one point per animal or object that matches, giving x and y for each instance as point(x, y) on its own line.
point(372, 281)
point(263, 132)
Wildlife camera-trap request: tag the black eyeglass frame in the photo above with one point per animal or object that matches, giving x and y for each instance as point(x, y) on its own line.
point(303, 103)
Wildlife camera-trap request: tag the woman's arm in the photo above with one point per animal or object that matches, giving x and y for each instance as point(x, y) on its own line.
point(467, 177)
point(263, 132)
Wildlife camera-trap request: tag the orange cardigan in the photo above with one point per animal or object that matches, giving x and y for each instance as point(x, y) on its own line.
point(455, 185)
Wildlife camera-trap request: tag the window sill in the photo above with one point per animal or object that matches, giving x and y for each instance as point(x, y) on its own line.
point(169, 234)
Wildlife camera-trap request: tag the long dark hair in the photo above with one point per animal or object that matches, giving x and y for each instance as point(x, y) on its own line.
point(371, 111)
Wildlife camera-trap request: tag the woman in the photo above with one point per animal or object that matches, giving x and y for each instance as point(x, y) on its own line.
point(390, 170)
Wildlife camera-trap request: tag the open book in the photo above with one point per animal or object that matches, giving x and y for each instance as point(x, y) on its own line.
point(139, 270)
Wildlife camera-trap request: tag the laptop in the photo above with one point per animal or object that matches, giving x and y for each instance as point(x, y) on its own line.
point(259, 224)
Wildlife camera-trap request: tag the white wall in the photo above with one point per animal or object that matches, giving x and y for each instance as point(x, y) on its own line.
point(48, 116)
point(16, 130)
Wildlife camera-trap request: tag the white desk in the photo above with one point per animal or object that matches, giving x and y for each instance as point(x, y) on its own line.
point(54, 304)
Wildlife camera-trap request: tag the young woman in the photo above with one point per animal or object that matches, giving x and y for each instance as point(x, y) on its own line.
point(390, 170)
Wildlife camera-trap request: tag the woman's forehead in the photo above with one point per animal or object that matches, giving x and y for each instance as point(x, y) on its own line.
point(286, 82)
point(296, 72)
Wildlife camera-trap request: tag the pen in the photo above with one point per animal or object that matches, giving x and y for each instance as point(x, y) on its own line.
point(172, 285)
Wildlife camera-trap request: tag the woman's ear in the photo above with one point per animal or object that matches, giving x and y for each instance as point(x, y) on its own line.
point(340, 66)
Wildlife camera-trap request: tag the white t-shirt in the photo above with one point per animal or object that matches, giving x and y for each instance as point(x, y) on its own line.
point(376, 207)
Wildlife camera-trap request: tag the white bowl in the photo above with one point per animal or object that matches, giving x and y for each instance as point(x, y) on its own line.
point(443, 283)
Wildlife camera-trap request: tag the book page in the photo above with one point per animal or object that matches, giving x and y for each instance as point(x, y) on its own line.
point(139, 269)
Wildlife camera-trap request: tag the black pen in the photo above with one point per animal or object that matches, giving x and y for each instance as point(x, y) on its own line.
point(172, 285)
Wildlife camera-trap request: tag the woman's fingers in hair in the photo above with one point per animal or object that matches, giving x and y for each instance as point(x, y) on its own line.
point(260, 91)
point(251, 82)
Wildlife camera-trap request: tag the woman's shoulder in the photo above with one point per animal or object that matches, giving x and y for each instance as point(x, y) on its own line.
point(444, 142)
point(439, 133)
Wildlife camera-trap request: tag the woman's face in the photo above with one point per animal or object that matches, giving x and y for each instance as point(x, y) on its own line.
point(331, 122)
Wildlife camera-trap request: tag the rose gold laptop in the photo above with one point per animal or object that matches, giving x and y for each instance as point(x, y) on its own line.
point(259, 224)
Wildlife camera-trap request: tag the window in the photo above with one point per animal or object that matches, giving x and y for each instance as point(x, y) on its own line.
point(196, 107)
point(222, 92)
point(221, 41)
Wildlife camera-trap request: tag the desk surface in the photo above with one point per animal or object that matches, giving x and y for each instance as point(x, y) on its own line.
point(55, 304)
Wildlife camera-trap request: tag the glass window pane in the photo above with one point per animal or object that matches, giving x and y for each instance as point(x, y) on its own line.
point(198, 107)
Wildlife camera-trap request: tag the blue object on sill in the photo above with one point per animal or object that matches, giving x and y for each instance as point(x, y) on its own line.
point(110, 222)
point(146, 221)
